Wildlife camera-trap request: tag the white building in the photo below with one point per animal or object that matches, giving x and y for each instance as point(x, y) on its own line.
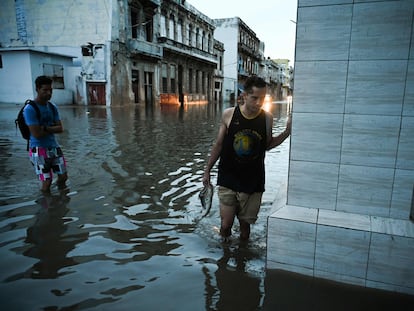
point(19, 67)
point(243, 54)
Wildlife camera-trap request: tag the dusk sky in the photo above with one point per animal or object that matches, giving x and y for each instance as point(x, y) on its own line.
point(271, 20)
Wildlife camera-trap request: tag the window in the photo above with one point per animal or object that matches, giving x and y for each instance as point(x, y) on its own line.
point(164, 78)
point(163, 29)
point(55, 72)
point(180, 31)
point(190, 35)
point(197, 43)
point(1, 62)
point(134, 24)
point(171, 28)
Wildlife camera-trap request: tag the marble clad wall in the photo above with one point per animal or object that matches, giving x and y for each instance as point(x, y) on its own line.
point(363, 250)
point(352, 144)
point(345, 216)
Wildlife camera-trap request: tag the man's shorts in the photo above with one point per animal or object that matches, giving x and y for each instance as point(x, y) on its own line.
point(247, 204)
point(47, 161)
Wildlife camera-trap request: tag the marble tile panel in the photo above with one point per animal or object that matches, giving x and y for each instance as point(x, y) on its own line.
point(313, 184)
point(342, 251)
point(412, 44)
point(344, 220)
point(291, 242)
point(402, 194)
point(302, 3)
point(317, 137)
point(339, 278)
point(383, 35)
point(287, 267)
point(370, 140)
point(376, 87)
point(310, 96)
point(365, 190)
point(297, 213)
point(394, 227)
point(391, 260)
point(323, 32)
point(405, 157)
point(408, 107)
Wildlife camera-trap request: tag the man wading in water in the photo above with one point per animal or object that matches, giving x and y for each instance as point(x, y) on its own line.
point(44, 151)
point(244, 135)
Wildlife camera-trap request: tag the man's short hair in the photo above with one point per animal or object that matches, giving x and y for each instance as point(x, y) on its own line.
point(42, 80)
point(253, 81)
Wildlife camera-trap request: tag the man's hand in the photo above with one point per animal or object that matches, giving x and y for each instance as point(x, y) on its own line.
point(206, 178)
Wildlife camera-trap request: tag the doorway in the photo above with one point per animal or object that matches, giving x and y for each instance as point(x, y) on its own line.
point(148, 77)
point(96, 93)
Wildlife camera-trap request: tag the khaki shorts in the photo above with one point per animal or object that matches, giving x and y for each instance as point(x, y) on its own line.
point(247, 205)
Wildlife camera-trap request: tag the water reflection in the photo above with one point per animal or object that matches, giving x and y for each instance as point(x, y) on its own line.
point(48, 239)
point(233, 287)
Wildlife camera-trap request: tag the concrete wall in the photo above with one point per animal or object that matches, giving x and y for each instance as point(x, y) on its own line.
point(51, 23)
point(20, 69)
point(15, 78)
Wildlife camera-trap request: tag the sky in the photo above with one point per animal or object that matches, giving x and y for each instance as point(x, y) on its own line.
point(273, 21)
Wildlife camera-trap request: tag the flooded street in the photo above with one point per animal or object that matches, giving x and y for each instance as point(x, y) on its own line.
point(127, 234)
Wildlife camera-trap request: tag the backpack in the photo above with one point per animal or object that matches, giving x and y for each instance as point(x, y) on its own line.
point(21, 122)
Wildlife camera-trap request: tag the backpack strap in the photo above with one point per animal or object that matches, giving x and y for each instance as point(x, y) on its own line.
point(33, 104)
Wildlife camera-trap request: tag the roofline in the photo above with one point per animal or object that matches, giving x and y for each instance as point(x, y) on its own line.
point(33, 49)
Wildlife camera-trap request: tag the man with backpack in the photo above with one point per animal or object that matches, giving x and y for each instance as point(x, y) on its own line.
point(43, 120)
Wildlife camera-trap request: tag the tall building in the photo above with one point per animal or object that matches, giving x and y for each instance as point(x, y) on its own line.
point(243, 54)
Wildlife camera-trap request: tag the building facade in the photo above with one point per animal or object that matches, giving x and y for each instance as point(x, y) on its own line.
point(126, 51)
point(243, 54)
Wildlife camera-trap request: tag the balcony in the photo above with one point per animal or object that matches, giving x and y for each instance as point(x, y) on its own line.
point(186, 50)
point(142, 47)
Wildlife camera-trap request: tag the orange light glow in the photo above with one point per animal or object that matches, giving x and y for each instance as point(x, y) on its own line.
point(267, 103)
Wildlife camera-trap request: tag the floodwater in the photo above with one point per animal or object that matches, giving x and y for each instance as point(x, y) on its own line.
point(127, 233)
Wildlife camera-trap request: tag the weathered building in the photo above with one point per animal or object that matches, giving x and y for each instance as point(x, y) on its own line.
point(126, 51)
point(189, 53)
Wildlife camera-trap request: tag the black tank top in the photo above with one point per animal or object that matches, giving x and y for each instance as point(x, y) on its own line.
point(241, 165)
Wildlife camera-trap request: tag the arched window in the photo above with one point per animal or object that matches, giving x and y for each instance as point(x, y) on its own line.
point(171, 28)
point(180, 31)
point(163, 29)
point(203, 39)
point(198, 38)
point(190, 35)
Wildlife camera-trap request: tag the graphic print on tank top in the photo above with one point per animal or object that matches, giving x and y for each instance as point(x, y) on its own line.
point(246, 145)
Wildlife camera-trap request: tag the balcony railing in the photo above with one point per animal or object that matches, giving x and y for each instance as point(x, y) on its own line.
point(137, 46)
point(181, 48)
